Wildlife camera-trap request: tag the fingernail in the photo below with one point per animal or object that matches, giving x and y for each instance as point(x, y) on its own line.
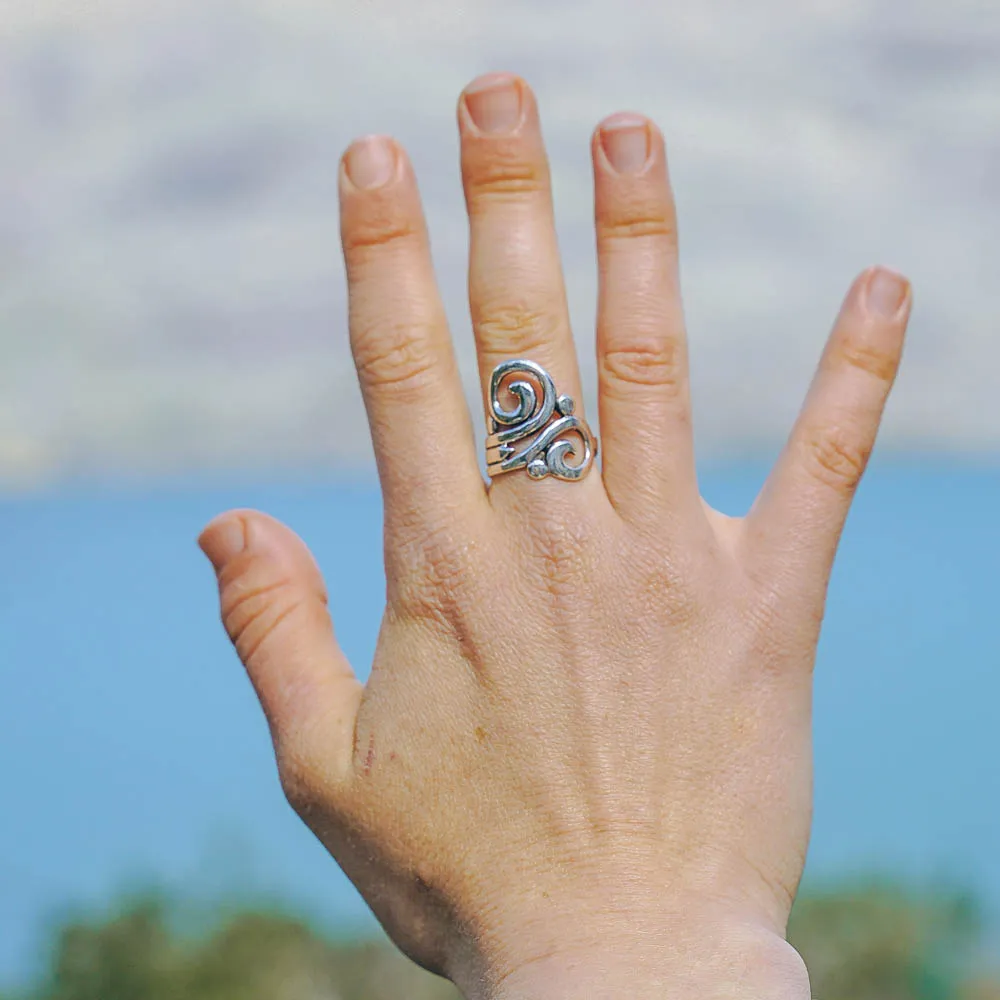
point(371, 161)
point(223, 540)
point(494, 102)
point(625, 138)
point(886, 293)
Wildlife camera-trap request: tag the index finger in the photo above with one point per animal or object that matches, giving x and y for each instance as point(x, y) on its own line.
point(420, 423)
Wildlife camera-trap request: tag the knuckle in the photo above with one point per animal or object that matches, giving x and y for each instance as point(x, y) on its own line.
point(766, 613)
point(776, 632)
point(836, 458)
point(669, 584)
point(664, 588)
point(426, 606)
point(302, 782)
point(875, 361)
point(253, 610)
point(653, 361)
point(636, 223)
point(516, 328)
point(559, 549)
point(381, 232)
point(503, 175)
point(429, 572)
point(394, 355)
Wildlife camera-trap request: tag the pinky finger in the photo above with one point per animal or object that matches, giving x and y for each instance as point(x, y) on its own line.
point(800, 515)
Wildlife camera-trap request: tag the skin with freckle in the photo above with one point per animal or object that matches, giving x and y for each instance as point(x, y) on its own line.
point(582, 763)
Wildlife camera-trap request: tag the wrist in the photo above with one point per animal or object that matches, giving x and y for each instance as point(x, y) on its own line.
point(725, 962)
point(610, 976)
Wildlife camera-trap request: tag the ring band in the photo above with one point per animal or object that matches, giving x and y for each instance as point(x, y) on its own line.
point(542, 415)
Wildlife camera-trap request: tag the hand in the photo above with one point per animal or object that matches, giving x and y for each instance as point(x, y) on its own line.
point(582, 764)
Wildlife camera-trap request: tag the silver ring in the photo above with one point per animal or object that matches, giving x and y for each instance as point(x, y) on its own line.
point(548, 419)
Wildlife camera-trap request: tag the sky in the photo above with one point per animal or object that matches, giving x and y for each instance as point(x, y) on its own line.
point(171, 288)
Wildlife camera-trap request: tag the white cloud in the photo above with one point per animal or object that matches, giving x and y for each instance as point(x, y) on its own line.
point(171, 293)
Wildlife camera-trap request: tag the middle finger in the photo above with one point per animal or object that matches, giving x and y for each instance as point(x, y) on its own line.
point(517, 293)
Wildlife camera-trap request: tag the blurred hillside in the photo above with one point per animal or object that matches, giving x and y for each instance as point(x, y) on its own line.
point(863, 943)
point(171, 293)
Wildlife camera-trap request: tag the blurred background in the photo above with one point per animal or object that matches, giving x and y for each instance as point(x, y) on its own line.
point(173, 343)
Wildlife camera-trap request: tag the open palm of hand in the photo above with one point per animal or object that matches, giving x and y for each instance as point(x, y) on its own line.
point(582, 762)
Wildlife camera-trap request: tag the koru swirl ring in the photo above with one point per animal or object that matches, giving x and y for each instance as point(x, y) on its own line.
point(542, 434)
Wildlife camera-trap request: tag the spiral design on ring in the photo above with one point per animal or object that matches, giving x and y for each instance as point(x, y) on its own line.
point(557, 436)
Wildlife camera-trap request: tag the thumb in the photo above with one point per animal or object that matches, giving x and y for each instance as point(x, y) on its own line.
point(274, 607)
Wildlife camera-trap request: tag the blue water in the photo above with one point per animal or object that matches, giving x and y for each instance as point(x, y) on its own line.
point(131, 746)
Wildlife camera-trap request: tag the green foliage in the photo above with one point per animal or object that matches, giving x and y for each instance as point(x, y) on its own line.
point(140, 955)
point(882, 943)
point(870, 943)
point(126, 958)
